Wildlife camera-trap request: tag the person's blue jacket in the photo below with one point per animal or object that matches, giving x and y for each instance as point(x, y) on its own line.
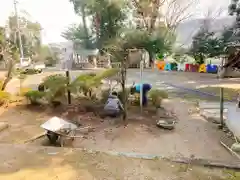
point(146, 87)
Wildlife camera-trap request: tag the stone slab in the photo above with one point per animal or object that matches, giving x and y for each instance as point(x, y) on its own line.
point(211, 112)
point(233, 121)
point(213, 115)
point(213, 105)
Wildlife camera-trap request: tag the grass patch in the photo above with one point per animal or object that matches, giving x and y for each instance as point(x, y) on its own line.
point(191, 96)
point(228, 93)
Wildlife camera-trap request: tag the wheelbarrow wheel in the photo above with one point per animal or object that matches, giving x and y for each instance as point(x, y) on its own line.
point(53, 137)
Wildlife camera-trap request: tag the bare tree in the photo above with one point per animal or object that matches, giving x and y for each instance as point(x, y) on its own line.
point(147, 11)
point(177, 11)
point(208, 19)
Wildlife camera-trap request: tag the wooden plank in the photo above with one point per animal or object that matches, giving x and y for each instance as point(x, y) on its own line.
point(34, 138)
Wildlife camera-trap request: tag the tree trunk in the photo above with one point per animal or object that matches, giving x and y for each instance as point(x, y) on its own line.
point(123, 85)
point(8, 76)
point(84, 20)
point(98, 24)
point(151, 59)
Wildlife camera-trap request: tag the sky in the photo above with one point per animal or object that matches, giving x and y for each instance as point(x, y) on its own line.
point(56, 15)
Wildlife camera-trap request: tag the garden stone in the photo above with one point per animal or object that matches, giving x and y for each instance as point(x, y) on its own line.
point(236, 147)
point(166, 124)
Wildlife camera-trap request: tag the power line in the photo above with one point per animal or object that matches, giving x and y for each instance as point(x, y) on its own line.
point(18, 32)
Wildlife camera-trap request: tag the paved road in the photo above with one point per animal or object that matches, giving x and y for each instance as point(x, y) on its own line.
point(156, 78)
point(170, 81)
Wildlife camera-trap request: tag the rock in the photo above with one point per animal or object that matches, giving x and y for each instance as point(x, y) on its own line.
point(3, 126)
point(166, 124)
point(236, 147)
point(193, 110)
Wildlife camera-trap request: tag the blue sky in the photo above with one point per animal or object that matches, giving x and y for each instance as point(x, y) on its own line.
point(56, 15)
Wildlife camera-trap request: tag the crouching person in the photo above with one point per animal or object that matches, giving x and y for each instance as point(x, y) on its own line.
point(113, 107)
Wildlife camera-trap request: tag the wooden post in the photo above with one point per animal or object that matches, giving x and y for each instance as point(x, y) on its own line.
point(141, 85)
point(68, 91)
point(123, 72)
point(221, 108)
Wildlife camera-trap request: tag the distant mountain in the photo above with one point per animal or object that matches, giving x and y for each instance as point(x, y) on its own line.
point(188, 29)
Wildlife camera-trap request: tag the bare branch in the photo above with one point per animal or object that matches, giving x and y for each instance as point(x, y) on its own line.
point(209, 17)
point(178, 11)
point(139, 10)
point(149, 10)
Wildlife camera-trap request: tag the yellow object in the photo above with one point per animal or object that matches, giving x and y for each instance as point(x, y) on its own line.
point(202, 68)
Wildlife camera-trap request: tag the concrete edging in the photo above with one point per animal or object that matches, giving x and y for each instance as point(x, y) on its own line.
point(182, 160)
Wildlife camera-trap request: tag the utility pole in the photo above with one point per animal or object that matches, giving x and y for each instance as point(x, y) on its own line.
point(18, 32)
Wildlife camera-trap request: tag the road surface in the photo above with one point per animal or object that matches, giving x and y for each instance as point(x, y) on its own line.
point(171, 81)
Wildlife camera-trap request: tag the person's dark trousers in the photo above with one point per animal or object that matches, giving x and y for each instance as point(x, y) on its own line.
point(146, 88)
point(144, 99)
point(112, 113)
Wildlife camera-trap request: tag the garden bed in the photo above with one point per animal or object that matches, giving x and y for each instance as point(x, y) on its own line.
point(140, 134)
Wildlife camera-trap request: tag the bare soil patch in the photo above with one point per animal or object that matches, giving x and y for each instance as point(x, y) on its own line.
point(28, 162)
point(189, 139)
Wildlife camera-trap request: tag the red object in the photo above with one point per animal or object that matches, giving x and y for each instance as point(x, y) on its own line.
point(191, 67)
point(187, 67)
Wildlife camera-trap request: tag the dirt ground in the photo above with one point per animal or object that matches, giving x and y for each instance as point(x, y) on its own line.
point(23, 123)
point(19, 162)
point(189, 139)
point(193, 137)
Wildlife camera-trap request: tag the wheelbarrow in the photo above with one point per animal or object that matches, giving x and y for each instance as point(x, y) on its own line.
point(60, 130)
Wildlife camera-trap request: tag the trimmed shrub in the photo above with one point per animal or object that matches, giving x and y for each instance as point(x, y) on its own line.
point(156, 96)
point(55, 87)
point(34, 96)
point(105, 95)
point(109, 73)
point(86, 84)
point(23, 91)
